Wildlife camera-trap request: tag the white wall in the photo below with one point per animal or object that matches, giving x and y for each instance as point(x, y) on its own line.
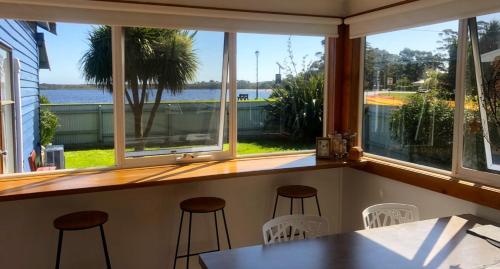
point(142, 229)
point(143, 224)
point(361, 189)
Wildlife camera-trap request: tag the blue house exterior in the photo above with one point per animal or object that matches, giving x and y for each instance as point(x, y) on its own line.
point(27, 47)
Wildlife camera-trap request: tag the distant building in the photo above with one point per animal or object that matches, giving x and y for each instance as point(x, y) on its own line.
point(22, 55)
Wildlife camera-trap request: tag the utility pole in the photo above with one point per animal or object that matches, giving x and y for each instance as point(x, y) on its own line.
point(257, 74)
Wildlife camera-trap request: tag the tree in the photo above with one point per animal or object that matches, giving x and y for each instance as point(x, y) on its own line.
point(449, 48)
point(154, 58)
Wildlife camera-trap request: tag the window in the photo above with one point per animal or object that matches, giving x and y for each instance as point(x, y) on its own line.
point(100, 96)
point(432, 97)
point(409, 90)
point(176, 93)
point(280, 92)
point(7, 143)
point(481, 134)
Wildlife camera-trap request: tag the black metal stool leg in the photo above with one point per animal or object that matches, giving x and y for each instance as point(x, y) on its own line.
point(291, 212)
point(105, 246)
point(302, 201)
point(225, 226)
point(275, 204)
point(178, 239)
point(216, 231)
point(59, 245)
point(189, 240)
point(317, 204)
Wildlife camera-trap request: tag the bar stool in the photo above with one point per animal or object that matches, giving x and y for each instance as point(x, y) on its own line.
point(200, 205)
point(81, 221)
point(296, 192)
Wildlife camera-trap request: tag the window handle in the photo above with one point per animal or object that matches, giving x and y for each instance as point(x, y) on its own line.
point(3, 152)
point(187, 157)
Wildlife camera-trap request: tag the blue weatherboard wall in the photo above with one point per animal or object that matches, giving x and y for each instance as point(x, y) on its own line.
point(20, 37)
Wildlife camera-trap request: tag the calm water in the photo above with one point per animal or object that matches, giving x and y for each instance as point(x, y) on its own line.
point(60, 96)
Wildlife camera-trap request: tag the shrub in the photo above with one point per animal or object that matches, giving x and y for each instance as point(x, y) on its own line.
point(44, 100)
point(425, 126)
point(297, 106)
point(48, 124)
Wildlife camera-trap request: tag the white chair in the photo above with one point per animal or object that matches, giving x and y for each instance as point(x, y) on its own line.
point(293, 227)
point(389, 214)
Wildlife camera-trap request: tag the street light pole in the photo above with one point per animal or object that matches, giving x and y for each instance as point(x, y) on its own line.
point(257, 74)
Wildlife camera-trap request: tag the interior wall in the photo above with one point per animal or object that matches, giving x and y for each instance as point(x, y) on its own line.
point(372, 189)
point(143, 223)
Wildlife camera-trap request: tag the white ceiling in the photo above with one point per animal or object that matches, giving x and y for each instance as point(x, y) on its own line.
point(337, 8)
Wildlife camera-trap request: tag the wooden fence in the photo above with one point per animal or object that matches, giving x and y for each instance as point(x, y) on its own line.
point(91, 125)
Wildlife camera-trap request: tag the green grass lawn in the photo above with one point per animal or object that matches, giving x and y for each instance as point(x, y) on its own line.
point(105, 157)
point(89, 158)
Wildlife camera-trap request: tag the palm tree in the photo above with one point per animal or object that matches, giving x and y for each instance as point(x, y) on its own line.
point(154, 58)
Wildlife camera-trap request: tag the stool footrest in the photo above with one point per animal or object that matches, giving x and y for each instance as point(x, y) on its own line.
point(194, 254)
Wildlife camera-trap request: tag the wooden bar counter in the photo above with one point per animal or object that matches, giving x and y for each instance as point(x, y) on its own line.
point(34, 186)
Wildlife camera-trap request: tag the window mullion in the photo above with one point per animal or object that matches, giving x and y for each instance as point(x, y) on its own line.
point(233, 106)
point(223, 99)
point(458, 125)
point(480, 90)
point(118, 94)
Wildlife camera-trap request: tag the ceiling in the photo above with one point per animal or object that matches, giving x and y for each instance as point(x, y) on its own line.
point(333, 8)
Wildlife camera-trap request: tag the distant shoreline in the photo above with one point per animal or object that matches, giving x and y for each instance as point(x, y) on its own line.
point(203, 85)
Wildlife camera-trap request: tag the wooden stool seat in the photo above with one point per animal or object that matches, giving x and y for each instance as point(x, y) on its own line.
point(203, 204)
point(200, 205)
point(297, 191)
point(81, 220)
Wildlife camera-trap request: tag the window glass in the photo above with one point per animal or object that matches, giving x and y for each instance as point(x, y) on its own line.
point(482, 100)
point(76, 103)
point(175, 101)
point(7, 113)
point(409, 86)
point(280, 84)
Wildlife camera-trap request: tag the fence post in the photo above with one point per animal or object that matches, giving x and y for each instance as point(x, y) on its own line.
point(99, 125)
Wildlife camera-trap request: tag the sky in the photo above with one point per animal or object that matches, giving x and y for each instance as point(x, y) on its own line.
point(67, 47)
point(423, 38)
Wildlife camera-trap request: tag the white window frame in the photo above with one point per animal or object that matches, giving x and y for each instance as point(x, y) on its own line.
point(122, 161)
point(457, 169)
point(325, 113)
point(119, 105)
point(361, 109)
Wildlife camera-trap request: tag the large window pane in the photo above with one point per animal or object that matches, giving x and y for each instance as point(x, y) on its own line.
point(175, 101)
point(280, 92)
point(482, 103)
point(409, 81)
point(75, 96)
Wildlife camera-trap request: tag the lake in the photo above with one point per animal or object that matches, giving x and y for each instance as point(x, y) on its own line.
point(89, 95)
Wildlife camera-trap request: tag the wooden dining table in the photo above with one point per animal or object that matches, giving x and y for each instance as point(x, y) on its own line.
point(434, 243)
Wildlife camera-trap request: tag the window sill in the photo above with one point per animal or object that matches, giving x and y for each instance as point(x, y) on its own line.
point(459, 188)
point(93, 181)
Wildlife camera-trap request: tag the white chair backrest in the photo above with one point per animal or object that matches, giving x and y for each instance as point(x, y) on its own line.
point(301, 227)
point(389, 214)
